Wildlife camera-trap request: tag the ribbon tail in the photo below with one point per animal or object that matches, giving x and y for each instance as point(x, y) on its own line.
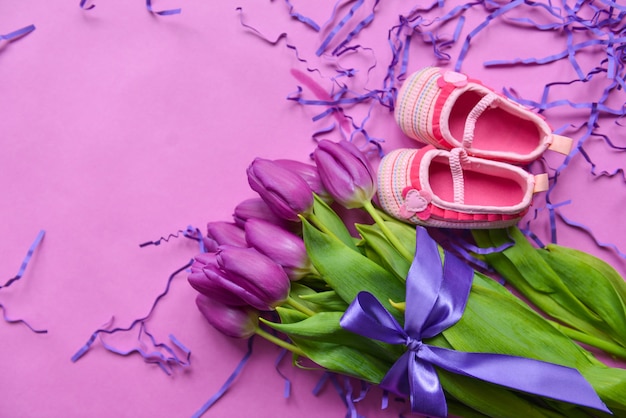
point(396, 380)
point(418, 380)
point(527, 375)
point(427, 396)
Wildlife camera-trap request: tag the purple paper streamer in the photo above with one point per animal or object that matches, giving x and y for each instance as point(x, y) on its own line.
point(190, 232)
point(19, 321)
point(174, 357)
point(83, 350)
point(338, 27)
point(475, 31)
point(162, 12)
point(19, 275)
point(306, 20)
point(218, 395)
point(347, 397)
point(257, 32)
point(324, 131)
point(357, 29)
point(279, 359)
point(384, 402)
point(27, 258)
point(321, 383)
point(582, 227)
point(459, 243)
point(602, 173)
point(12, 36)
point(365, 388)
point(155, 357)
point(83, 5)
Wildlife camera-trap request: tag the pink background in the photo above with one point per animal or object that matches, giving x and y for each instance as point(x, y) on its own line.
point(118, 126)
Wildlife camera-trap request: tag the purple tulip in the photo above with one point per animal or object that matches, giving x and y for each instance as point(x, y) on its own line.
point(233, 321)
point(309, 173)
point(285, 192)
point(345, 172)
point(280, 245)
point(223, 233)
point(240, 276)
point(257, 208)
point(264, 283)
point(207, 279)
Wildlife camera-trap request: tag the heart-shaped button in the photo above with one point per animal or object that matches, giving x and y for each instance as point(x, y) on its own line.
point(416, 201)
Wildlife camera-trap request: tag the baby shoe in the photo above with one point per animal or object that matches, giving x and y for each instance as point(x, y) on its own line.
point(449, 110)
point(449, 189)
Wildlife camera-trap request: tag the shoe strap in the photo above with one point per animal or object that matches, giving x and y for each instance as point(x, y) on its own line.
point(458, 158)
point(561, 144)
point(474, 114)
point(541, 183)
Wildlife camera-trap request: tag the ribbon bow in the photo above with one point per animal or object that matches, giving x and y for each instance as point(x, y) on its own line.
point(435, 300)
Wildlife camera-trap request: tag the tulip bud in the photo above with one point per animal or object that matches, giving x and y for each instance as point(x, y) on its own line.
point(223, 233)
point(280, 245)
point(257, 208)
point(285, 192)
point(309, 173)
point(233, 321)
point(254, 277)
point(207, 279)
point(345, 172)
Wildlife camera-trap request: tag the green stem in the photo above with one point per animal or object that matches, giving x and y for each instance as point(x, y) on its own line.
point(320, 225)
point(299, 306)
point(385, 216)
point(581, 337)
point(281, 343)
point(383, 227)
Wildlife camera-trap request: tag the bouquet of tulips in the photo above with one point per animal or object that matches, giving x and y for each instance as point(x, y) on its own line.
point(381, 301)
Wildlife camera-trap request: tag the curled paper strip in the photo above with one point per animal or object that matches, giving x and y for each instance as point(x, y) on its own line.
point(190, 232)
point(218, 395)
point(20, 321)
point(29, 255)
point(10, 37)
point(166, 362)
point(435, 300)
point(139, 321)
point(162, 12)
point(84, 4)
point(20, 273)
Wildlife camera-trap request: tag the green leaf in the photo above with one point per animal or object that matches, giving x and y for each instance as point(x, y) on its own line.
point(299, 292)
point(348, 272)
point(327, 301)
point(332, 221)
point(386, 253)
point(596, 284)
point(496, 321)
point(325, 327)
point(489, 399)
point(343, 359)
point(525, 270)
point(324, 341)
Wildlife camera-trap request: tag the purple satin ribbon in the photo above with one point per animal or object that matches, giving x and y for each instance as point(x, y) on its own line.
point(435, 300)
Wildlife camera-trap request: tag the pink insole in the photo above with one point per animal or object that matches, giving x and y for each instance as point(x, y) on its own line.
point(496, 130)
point(480, 189)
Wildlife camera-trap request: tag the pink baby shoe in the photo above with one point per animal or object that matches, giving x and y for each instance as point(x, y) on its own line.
point(449, 189)
point(449, 110)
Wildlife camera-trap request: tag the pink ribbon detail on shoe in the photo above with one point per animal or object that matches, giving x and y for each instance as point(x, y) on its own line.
point(458, 157)
point(470, 123)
